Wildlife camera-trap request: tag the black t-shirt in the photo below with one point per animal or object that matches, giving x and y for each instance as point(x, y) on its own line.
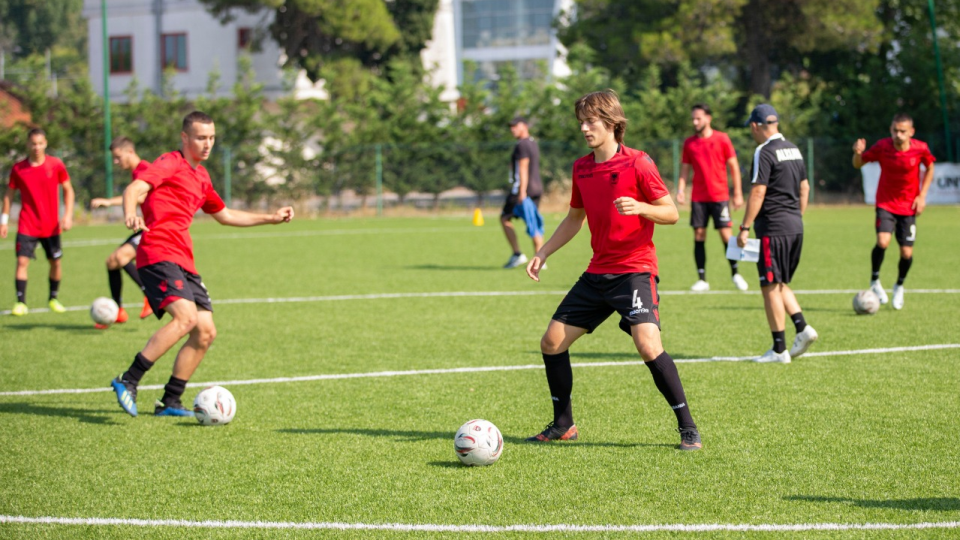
point(526, 148)
point(778, 165)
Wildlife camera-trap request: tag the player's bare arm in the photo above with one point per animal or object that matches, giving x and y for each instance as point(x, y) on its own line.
point(4, 225)
point(858, 148)
point(524, 170)
point(682, 183)
point(757, 194)
point(239, 218)
point(101, 202)
point(921, 201)
point(132, 196)
point(804, 195)
point(733, 169)
point(661, 211)
point(565, 232)
point(69, 197)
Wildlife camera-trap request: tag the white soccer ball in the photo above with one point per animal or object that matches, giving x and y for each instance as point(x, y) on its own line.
point(214, 406)
point(866, 303)
point(104, 311)
point(478, 442)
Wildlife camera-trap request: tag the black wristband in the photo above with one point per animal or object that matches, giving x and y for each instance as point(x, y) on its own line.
point(744, 228)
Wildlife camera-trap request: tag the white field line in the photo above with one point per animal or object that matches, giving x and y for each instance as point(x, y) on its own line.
point(452, 294)
point(425, 527)
point(480, 369)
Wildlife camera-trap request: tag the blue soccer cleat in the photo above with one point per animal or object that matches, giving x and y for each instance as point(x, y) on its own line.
point(172, 409)
point(126, 395)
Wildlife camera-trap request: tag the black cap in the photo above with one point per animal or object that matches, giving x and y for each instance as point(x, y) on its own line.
point(761, 113)
point(517, 120)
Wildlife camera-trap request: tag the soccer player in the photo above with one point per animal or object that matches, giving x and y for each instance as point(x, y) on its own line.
point(620, 194)
point(525, 191)
point(176, 186)
point(125, 156)
point(900, 199)
point(776, 205)
point(710, 156)
point(38, 178)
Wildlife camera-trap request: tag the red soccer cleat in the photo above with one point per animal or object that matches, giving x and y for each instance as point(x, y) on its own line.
point(554, 432)
point(147, 310)
point(122, 316)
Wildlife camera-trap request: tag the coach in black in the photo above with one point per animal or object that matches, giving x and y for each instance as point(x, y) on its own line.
point(778, 198)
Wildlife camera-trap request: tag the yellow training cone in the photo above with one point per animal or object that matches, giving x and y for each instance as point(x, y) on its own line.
point(478, 217)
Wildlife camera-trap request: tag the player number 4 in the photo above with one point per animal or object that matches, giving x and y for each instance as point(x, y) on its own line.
point(637, 301)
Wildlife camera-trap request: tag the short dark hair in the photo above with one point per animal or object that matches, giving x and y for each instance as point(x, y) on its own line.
point(122, 142)
point(703, 107)
point(902, 117)
point(196, 117)
point(36, 131)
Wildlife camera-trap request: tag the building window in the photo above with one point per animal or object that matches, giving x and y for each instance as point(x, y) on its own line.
point(244, 38)
point(121, 55)
point(501, 23)
point(173, 51)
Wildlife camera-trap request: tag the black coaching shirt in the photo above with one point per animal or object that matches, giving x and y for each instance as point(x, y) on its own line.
point(526, 148)
point(778, 165)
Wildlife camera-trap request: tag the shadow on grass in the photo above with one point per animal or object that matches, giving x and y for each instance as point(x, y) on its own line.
point(414, 436)
point(449, 267)
point(89, 416)
point(943, 504)
point(626, 356)
point(76, 328)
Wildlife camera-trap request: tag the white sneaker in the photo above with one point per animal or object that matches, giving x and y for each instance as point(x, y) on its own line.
point(803, 341)
point(897, 297)
point(700, 286)
point(740, 282)
point(516, 260)
point(877, 289)
point(771, 357)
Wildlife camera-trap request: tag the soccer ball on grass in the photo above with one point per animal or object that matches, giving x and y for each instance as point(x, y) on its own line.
point(214, 406)
point(866, 303)
point(104, 311)
point(478, 442)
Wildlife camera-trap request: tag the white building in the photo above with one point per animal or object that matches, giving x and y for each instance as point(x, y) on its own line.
point(144, 36)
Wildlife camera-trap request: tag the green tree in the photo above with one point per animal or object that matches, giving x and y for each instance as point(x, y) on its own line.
point(33, 26)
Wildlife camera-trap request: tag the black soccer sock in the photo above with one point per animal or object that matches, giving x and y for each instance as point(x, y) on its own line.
point(903, 269)
point(798, 321)
point(116, 285)
point(54, 288)
point(131, 270)
point(779, 341)
point(734, 267)
point(560, 381)
point(139, 366)
point(876, 259)
point(667, 379)
point(173, 390)
point(22, 291)
point(700, 256)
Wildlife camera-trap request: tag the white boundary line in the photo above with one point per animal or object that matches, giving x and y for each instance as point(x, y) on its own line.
point(426, 527)
point(378, 374)
point(453, 294)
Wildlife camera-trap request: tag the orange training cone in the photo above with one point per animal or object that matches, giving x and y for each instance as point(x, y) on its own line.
point(478, 218)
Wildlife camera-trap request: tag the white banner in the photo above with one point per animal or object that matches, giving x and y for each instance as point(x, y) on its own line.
point(945, 188)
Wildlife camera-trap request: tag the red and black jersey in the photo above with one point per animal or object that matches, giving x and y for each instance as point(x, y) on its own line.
point(39, 196)
point(708, 156)
point(899, 173)
point(621, 244)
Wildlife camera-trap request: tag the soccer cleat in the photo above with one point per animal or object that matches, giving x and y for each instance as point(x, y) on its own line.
point(126, 395)
point(19, 309)
point(771, 357)
point(122, 316)
point(690, 439)
point(700, 286)
point(877, 289)
point(803, 341)
point(172, 409)
point(56, 306)
point(555, 433)
point(147, 310)
point(740, 283)
point(898, 297)
point(516, 260)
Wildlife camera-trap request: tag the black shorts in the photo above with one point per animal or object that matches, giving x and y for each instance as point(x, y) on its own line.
point(27, 246)
point(779, 258)
point(512, 201)
point(905, 226)
point(701, 212)
point(133, 239)
point(165, 282)
point(596, 296)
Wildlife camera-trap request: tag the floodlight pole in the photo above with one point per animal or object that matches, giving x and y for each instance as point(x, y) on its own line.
point(107, 127)
point(943, 92)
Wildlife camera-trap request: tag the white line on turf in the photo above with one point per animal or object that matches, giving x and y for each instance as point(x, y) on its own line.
point(452, 294)
point(376, 374)
point(428, 527)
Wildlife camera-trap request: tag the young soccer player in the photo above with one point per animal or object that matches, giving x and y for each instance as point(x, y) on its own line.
point(525, 192)
point(620, 194)
point(176, 186)
point(776, 205)
point(710, 156)
point(39, 179)
point(901, 196)
point(125, 156)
